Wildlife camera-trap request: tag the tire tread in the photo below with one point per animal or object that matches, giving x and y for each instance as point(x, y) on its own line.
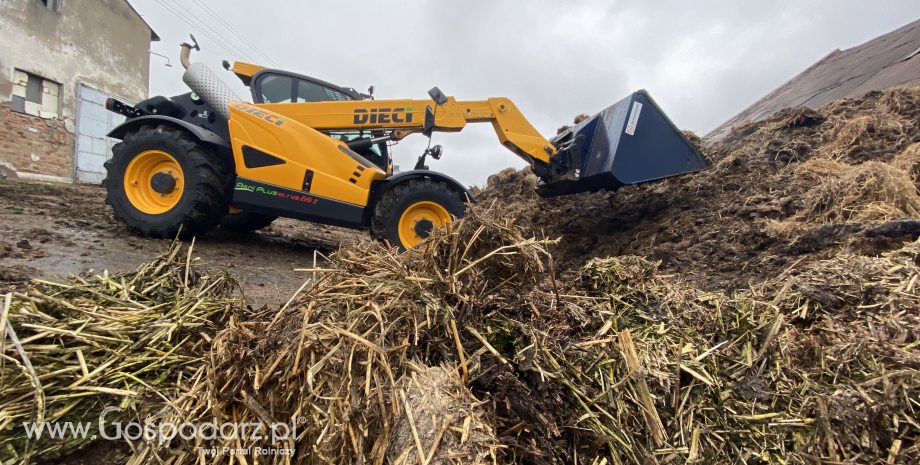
point(208, 183)
point(389, 206)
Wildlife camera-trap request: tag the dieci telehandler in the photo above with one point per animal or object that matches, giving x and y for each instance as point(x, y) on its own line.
point(311, 150)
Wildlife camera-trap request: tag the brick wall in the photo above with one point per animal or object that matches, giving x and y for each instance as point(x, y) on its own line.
point(24, 138)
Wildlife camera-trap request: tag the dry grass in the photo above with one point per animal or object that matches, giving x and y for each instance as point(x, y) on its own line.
point(870, 192)
point(730, 160)
point(578, 119)
point(798, 118)
point(898, 99)
point(845, 133)
point(130, 341)
point(787, 228)
point(819, 169)
point(786, 364)
point(909, 161)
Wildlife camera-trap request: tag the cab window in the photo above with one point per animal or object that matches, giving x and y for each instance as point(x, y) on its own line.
point(376, 154)
point(312, 92)
point(276, 89)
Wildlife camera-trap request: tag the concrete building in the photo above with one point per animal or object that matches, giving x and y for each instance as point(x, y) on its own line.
point(59, 60)
point(886, 61)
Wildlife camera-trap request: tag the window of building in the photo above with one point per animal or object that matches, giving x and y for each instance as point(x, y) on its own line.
point(52, 4)
point(35, 95)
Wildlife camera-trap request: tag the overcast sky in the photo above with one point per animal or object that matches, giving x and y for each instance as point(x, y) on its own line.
point(702, 61)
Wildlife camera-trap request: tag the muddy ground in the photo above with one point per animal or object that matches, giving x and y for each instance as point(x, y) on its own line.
point(50, 230)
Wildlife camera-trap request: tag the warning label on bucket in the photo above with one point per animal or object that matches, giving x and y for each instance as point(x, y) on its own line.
point(633, 119)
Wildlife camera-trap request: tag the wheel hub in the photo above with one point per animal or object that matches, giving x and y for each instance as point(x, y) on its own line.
point(162, 183)
point(424, 227)
point(153, 182)
point(419, 220)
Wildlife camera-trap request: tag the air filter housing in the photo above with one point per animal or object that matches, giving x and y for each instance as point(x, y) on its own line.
point(210, 88)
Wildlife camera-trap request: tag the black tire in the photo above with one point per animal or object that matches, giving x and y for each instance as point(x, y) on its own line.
point(395, 202)
point(244, 222)
point(207, 184)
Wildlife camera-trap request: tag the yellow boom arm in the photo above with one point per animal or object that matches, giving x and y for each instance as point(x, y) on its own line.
point(404, 117)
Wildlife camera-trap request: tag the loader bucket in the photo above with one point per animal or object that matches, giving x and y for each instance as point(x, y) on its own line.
point(630, 142)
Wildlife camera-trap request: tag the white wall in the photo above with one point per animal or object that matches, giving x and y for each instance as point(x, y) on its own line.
point(101, 43)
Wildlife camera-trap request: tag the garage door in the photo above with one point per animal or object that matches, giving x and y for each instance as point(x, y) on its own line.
point(93, 148)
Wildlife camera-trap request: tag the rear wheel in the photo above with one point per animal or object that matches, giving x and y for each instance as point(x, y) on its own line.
point(243, 221)
point(160, 180)
point(409, 212)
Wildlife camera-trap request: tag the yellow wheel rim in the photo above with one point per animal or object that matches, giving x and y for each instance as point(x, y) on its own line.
point(417, 222)
point(154, 182)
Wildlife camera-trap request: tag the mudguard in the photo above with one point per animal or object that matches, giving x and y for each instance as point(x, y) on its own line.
point(202, 134)
point(391, 181)
point(381, 187)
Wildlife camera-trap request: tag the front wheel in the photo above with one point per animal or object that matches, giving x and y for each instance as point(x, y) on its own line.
point(160, 181)
point(408, 213)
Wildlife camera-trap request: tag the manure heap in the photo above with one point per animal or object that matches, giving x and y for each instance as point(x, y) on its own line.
point(801, 184)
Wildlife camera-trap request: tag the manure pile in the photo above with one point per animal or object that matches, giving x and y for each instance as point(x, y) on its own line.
point(477, 349)
point(801, 185)
point(765, 311)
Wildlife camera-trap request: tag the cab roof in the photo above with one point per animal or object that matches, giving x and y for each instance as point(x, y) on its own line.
point(245, 71)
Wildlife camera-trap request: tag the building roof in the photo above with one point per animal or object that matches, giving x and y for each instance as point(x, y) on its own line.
point(153, 35)
point(889, 60)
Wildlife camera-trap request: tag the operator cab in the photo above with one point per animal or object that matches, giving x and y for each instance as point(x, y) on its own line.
point(279, 86)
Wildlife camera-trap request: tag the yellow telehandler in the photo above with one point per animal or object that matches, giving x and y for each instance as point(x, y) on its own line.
point(307, 149)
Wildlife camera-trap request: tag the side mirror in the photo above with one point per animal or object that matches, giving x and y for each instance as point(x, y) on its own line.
point(370, 90)
point(429, 121)
point(226, 65)
point(438, 96)
point(197, 48)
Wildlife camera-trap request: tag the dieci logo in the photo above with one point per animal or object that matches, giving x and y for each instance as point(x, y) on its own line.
point(384, 116)
point(260, 114)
